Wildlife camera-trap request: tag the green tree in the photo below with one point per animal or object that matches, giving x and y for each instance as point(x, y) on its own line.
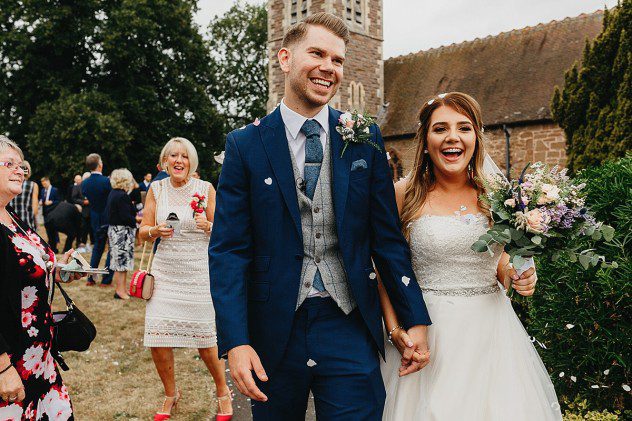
point(595, 105)
point(157, 69)
point(64, 131)
point(238, 46)
point(146, 56)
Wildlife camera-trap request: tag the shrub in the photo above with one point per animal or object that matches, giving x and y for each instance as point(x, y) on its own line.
point(582, 317)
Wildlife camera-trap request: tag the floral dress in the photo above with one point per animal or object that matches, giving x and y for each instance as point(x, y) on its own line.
point(46, 396)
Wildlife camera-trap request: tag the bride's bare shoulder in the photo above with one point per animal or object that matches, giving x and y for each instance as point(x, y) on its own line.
point(400, 192)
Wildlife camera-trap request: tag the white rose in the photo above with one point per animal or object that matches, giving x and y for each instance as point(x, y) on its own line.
point(346, 117)
point(550, 193)
point(511, 203)
point(366, 130)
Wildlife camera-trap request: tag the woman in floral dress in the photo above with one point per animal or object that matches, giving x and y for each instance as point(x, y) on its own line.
point(30, 385)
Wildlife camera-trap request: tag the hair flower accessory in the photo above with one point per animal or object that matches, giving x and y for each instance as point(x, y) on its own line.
point(354, 127)
point(198, 203)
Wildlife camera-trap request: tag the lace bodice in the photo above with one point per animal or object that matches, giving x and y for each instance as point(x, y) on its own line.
point(441, 254)
point(178, 200)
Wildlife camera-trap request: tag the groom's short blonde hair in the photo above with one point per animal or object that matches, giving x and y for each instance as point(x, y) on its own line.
point(332, 23)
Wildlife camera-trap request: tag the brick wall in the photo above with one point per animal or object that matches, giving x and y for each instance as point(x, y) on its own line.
point(364, 62)
point(529, 143)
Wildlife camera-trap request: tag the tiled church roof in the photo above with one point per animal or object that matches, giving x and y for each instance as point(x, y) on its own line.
point(512, 74)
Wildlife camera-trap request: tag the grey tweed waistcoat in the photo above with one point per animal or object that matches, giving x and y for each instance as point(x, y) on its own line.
point(320, 239)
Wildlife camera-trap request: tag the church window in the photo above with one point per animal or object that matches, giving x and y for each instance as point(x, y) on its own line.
point(355, 11)
point(298, 10)
point(356, 96)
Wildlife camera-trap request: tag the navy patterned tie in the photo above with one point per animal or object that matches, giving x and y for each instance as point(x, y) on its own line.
point(313, 156)
point(313, 162)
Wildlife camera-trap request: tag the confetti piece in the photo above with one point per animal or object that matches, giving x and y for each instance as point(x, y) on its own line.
point(625, 387)
point(569, 326)
point(606, 372)
point(562, 374)
point(574, 379)
point(311, 363)
point(372, 275)
point(388, 156)
point(594, 386)
point(256, 122)
point(406, 280)
point(268, 181)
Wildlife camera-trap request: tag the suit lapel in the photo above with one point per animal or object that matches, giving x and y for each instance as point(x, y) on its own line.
point(278, 152)
point(341, 168)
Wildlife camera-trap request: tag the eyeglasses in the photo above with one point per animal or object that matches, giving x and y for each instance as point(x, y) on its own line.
point(12, 166)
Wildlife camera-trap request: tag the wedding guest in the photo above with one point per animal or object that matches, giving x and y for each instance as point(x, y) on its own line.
point(64, 218)
point(79, 200)
point(49, 198)
point(481, 352)
point(162, 174)
point(182, 295)
point(31, 386)
point(96, 189)
point(122, 229)
point(26, 204)
point(144, 185)
point(86, 227)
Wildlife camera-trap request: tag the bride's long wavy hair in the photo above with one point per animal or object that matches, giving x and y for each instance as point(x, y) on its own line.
point(422, 179)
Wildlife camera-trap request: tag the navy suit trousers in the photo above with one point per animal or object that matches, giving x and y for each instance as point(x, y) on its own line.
point(334, 356)
point(100, 235)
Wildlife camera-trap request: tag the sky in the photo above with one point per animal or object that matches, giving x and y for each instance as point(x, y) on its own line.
point(415, 25)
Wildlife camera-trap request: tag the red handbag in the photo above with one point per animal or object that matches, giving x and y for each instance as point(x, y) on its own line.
point(142, 284)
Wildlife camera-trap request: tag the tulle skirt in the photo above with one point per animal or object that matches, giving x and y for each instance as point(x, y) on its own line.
point(483, 367)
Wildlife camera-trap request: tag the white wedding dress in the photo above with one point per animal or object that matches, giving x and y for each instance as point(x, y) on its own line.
point(483, 365)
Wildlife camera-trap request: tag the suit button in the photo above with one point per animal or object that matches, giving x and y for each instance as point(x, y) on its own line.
point(307, 285)
point(318, 235)
point(317, 260)
point(316, 209)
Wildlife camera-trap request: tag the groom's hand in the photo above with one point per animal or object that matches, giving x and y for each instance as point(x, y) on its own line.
point(242, 361)
point(417, 356)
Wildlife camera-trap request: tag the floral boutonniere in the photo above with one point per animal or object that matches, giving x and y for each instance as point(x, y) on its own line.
point(354, 127)
point(198, 204)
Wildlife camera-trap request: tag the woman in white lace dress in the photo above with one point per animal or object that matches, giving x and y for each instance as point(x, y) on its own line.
point(180, 313)
point(482, 365)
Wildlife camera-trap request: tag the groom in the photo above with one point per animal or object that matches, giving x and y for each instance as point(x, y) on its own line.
point(296, 226)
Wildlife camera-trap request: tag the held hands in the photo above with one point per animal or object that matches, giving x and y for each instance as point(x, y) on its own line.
point(523, 284)
point(201, 222)
point(242, 360)
point(413, 345)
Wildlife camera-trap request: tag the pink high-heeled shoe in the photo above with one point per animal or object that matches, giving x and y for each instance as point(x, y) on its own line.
point(221, 415)
point(163, 416)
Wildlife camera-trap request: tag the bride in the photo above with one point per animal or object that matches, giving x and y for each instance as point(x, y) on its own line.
point(483, 365)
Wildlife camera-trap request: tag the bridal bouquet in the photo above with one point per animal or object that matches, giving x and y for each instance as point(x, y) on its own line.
point(542, 213)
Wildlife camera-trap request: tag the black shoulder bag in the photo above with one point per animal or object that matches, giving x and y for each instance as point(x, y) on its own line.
point(72, 330)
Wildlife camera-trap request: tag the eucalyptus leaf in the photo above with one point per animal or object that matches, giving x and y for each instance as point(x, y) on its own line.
point(479, 246)
point(608, 232)
point(536, 239)
point(584, 260)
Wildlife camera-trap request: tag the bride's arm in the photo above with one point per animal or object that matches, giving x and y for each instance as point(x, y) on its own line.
point(397, 334)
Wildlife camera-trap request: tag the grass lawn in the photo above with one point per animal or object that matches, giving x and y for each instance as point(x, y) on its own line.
point(116, 379)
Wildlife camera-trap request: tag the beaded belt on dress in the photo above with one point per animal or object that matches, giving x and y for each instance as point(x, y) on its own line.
point(464, 292)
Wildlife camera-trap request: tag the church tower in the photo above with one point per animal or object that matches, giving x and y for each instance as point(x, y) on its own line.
point(363, 85)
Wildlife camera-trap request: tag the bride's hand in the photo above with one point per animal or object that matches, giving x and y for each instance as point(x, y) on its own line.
point(525, 284)
point(401, 340)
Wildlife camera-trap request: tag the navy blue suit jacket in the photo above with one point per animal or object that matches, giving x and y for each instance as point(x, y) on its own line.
point(96, 189)
point(54, 197)
point(256, 249)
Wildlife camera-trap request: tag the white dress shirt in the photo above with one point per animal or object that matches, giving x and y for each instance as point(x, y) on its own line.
point(293, 122)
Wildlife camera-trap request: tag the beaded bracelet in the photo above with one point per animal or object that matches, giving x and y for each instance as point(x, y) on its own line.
point(390, 332)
